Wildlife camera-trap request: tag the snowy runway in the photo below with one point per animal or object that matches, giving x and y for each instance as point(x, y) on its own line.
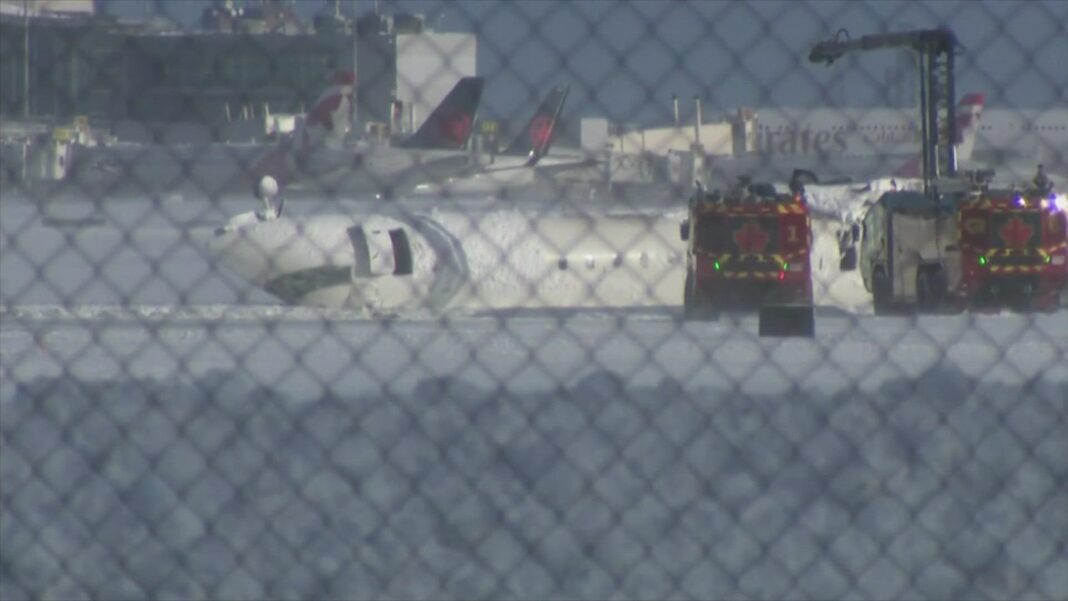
point(306, 351)
point(282, 454)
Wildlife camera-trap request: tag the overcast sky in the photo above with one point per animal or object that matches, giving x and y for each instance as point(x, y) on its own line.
point(625, 59)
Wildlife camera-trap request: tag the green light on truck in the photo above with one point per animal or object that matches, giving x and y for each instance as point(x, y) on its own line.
point(786, 266)
point(982, 260)
point(715, 265)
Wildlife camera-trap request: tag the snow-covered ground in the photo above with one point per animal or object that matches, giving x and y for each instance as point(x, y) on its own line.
point(168, 431)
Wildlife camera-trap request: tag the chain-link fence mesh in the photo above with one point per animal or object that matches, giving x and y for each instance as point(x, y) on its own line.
point(467, 300)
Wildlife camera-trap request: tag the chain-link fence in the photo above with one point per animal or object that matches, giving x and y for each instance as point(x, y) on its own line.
point(469, 300)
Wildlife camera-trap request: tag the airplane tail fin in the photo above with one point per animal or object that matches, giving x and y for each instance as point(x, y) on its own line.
point(969, 110)
point(326, 124)
point(331, 117)
point(449, 126)
point(535, 140)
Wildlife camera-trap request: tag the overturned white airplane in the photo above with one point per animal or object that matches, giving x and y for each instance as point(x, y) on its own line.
point(409, 263)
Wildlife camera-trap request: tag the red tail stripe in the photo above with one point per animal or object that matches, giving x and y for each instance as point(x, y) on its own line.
point(972, 99)
point(321, 113)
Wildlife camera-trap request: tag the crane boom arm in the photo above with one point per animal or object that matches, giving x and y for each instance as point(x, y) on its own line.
point(938, 116)
point(923, 41)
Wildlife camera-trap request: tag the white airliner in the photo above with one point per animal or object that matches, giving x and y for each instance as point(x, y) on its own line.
point(315, 159)
point(1013, 142)
point(314, 156)
point(502, 175)
point(436, 261)
point(839, 145)
point(502, 182)
point(1036, 135)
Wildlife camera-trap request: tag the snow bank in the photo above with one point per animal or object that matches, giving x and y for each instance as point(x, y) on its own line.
point(849, 202)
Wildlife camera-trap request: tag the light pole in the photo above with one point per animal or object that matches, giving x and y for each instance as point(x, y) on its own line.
point(26, 59)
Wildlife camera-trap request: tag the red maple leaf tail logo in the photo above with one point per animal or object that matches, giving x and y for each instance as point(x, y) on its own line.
point(541, 129)
point(322, 114)
point(456, 128)
point(751, 238)
point(1016, 232)
point(334, 106)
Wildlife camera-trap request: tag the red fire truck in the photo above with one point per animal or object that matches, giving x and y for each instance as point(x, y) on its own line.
point(748, 250)
point(1013, 251)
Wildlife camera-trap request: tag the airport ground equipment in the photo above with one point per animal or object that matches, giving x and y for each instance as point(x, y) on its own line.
point(906, 254)
point(1012, 251)
point(748, 250)
point(911, 253)
point(979, 250)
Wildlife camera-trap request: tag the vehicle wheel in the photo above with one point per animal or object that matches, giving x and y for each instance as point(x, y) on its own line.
point(930, 288)
point(694, 306)
point(689, 299)
point(923, 290)
point(882, 292)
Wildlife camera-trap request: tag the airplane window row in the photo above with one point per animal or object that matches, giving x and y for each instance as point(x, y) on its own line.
point(873, 127)
point(846, 127)
point(986, 127)
point(1031, 127)
point(617, 261)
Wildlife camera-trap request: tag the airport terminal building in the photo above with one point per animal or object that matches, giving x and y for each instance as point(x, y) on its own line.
point(239, 64)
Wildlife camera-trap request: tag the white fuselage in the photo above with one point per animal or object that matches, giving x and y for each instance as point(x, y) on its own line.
point(836, 132)
point(838, 144)
point(375, 169)
point(1015, 142)
point(1031, 133)
point(869, 143)
point(507, 175)
point(852, 132)
point(447, 260)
